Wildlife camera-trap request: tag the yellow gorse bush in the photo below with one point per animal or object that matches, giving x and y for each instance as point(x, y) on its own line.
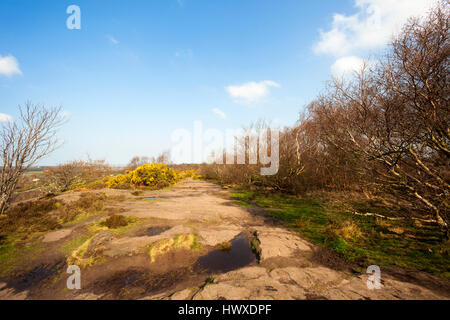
point(152, 174)
point(118, 181)
point(149, 175)
point(189, 174)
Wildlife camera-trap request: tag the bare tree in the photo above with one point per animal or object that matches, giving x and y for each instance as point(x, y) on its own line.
point(163, 158)
point(138, 161)
point(65, 175)
point(71, 173)
point(385, 130)
point(394, 118)
point(24, 142)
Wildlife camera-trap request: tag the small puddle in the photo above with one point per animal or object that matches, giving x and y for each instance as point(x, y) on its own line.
point(153, 231)
point(148, 198)
point(239, 255)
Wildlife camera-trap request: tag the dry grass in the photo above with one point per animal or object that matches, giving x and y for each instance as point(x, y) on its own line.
point(302, 223)
point(87, 203)
point(30, 216)
point(347, 230)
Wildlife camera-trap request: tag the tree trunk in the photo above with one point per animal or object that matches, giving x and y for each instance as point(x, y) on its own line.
point(3, 203)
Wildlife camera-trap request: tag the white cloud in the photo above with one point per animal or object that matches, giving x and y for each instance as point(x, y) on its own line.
point(372, 26)
point(9, 66)
point(251, 91)
point(5, 117)
point(112, 39)
point(347, 65)
point(219, 112)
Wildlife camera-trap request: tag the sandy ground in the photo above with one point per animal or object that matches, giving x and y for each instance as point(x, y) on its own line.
point(287, 267)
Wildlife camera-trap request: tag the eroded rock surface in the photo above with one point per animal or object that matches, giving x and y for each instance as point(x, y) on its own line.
point(278, 242)
point(56, 235)
point(202, 212)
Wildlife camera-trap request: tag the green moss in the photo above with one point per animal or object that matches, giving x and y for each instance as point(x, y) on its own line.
point(74, 244)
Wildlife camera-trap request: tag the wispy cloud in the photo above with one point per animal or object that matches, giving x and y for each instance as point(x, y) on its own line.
point(112, 39)
point(5, 117)
point(180, 2)
point(346, 65)
point(251, 91)
point(9, 66)
point(220, 113)
point(371, 27)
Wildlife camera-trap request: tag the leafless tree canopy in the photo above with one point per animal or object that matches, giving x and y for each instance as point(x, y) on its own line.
point(73, 173)
point(24, 142)
point(138, 161)
point(163, 158)
point(395, 117)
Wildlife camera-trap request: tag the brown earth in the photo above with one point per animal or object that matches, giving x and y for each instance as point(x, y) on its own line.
point(190, 266)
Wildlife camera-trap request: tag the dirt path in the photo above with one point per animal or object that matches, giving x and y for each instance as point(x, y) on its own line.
point(173, 254)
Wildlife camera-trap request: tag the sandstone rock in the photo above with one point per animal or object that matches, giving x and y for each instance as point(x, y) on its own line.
point(277, 242)
point(251, 283)
point(11, 294)
point(87, 296)
point(99, 242)
point(216, 235)
point(307, 277)
point(185, 294)
point(56, 235)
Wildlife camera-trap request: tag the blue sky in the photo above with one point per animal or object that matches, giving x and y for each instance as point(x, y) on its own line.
point(138, 70)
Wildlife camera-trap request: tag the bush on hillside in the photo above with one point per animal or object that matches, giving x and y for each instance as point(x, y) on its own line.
point(148, 175)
